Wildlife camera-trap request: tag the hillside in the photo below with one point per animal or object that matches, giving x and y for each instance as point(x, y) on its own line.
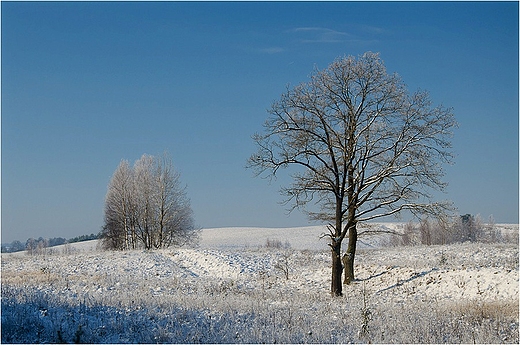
point(230, 289)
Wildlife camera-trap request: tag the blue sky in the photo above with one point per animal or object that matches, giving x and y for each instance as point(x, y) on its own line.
point(86, 84)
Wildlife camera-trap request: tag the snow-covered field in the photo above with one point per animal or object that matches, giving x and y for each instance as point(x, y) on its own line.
point(233, 288)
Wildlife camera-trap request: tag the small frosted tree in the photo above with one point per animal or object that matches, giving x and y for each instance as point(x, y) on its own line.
point(143, 191)
point(119, 228)
point(362, 146)
point(174, 217)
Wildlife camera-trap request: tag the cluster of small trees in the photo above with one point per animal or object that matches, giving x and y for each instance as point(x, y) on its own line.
point(38, 246)
point(146, 207)
point(83, 238)
point(34, 246)
point(464, 228)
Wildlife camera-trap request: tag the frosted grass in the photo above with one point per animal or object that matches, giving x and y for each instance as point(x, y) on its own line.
point(460, 293)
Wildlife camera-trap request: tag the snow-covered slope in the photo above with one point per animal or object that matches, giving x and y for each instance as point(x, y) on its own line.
point(299, 238)
point(230, 238)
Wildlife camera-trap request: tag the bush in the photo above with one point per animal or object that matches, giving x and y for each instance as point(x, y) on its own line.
point(465, 228)
point(277, 244)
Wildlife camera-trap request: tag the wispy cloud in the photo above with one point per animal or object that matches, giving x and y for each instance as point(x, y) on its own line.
point(370, 29)
point(322, 35)
point(356, 34)
point(271, 50)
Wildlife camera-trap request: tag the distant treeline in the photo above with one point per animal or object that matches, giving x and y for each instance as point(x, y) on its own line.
point(32, 244)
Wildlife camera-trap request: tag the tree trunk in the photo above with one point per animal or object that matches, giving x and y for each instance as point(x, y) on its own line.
point(336, 286)
point(348, 258)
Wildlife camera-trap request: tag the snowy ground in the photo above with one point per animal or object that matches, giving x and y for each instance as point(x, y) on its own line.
point(233, 289)
point(300, 238)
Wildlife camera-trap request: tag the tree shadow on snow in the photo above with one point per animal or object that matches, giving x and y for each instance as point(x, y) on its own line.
point(402, 282)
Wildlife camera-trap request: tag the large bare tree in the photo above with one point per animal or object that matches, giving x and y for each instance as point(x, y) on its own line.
point(363, 148)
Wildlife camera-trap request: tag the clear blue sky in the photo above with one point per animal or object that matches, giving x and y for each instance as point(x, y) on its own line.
point(86, 84)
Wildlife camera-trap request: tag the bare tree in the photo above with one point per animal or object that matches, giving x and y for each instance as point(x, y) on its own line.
point(118, 232)
point(174, 223)
point(367, 148)
point(144, 189)
point(425, 230)
point(146, 206)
